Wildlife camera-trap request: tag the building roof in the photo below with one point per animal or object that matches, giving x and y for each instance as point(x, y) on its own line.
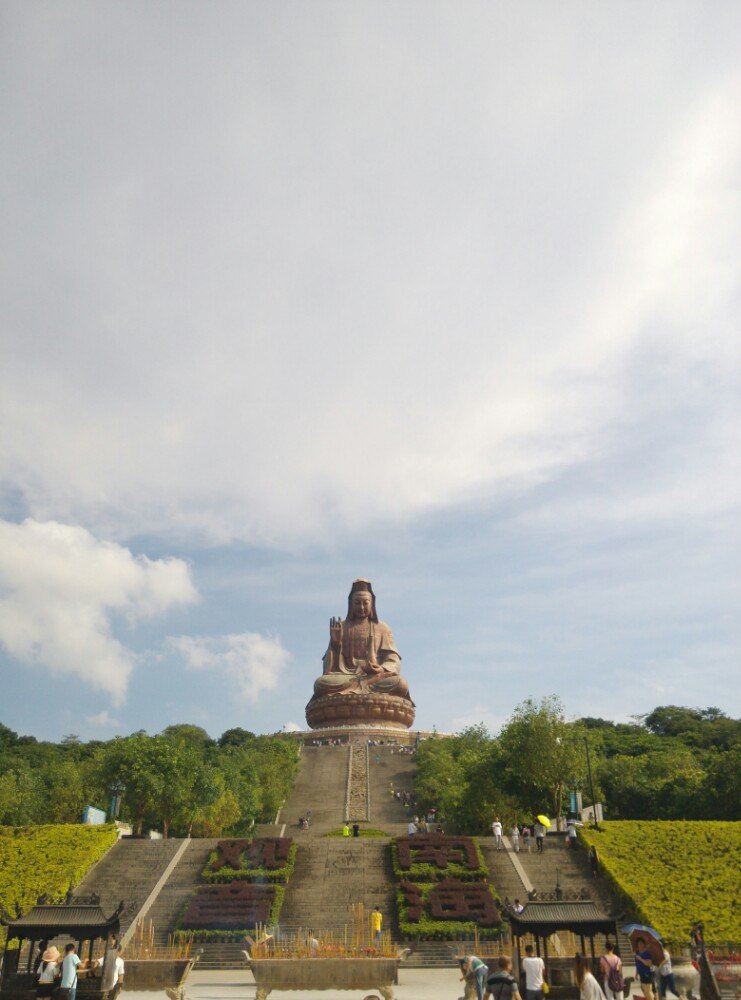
point(542, 918)
point(79, 921)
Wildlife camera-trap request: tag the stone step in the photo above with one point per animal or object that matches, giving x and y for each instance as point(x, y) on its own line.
point(128, 872)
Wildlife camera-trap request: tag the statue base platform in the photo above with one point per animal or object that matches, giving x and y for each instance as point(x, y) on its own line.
point(374, 711)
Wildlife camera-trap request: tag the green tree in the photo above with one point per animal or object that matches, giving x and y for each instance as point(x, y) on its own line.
point(541, 753)
point(133, 761)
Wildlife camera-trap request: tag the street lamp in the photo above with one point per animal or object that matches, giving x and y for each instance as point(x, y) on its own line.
point(589, 773)
point(117, 790)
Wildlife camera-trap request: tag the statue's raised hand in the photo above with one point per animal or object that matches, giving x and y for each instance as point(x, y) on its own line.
point(335, 632)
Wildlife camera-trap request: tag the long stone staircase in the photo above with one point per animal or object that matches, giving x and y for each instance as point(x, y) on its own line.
point(178, 888)
point(389, 769)
point(331, 875)
point(320, 786)
point(129, 871)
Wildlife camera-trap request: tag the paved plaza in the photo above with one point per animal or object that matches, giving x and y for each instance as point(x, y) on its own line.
point(414, 984)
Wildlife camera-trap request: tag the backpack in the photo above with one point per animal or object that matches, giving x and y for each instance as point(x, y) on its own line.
point(615, 979)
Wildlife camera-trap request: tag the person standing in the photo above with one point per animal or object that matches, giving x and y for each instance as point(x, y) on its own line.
point(666, 976)
point(376, 924)
point(346, 830)
point(47, 972)
point(644, 969)
point(517, 906)
point(411, 829)
point(534, 969)
point(539, 836)
point(502, 985)
point(571, 833)
point(612, 973)
point(113, 971)
point(514, 836)
point(526, 837)
point(589, 988)
point(496, 829)
point(593, 860)
point(68, 985)
point(471, 965)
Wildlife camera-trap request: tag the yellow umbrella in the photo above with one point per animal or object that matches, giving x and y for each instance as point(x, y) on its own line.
point(545, 821)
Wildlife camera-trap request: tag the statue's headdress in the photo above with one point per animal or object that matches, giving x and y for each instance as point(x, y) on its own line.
point(366, 586)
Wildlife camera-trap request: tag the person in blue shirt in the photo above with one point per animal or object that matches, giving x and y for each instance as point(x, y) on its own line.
point(644, 968)
point(70, 962)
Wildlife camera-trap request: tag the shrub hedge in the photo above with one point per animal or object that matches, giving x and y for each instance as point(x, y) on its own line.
point(468, 866)
point(264, 859)
point(235, 934)
point(437, 876)
point(47, 859)
point(415, 920)
point(672, 873)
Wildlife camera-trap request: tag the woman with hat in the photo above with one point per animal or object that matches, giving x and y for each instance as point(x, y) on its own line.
point(47, 972)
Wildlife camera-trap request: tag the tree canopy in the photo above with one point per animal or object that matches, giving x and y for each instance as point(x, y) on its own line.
point(178, 781)
point(674, 763)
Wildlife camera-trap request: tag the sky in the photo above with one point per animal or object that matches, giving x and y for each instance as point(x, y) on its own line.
point(442, 295)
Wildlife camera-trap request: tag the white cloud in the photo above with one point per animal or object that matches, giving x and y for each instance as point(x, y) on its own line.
point(102, 720)
point(254, 661)
point(292, 727)
point(453, 257)
point(59, 589)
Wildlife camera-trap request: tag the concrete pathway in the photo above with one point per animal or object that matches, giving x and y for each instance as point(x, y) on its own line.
point(414, 984)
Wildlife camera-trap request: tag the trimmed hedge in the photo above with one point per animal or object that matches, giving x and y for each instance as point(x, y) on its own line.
point(234, 934)
point(672, 873)
point(264, 859)
point(470, 867)
point(47, 859)
point(437, 874)
point(412, 925)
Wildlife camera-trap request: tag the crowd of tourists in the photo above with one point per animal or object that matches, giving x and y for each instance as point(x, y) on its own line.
point(525, 835)
point(481, 984)
point(59, 973)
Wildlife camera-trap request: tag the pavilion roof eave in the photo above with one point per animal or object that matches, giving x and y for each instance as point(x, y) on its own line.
point(543, 919)
point(77, 921)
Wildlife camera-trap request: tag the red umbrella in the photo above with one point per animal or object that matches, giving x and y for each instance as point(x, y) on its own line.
point(652, 940)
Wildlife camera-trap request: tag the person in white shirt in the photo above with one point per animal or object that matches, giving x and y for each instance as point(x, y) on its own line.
point(411, 829)
point(589, 988)
point(666, 976)
point(47, 972)
point(517, 906)
point(514, 836)
point(114, 971)
point(534, 969)
point(539, 837)
point(496, 829)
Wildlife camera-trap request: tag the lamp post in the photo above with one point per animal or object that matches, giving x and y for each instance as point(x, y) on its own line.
point(117, 790)
point(591, 785)
point(576, 739)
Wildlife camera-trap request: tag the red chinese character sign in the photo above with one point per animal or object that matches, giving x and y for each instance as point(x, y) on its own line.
point(263, 854)
point(437, 850)
point(450, 900)
point(443, 885)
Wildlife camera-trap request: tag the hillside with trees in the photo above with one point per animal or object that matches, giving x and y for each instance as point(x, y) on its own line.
point(179, 781)
point(674, 763)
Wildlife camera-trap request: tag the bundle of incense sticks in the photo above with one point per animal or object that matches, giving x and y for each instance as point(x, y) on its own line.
point(142, 945)
point(355, 940)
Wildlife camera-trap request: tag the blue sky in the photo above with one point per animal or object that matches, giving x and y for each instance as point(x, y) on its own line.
point(443, 296)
